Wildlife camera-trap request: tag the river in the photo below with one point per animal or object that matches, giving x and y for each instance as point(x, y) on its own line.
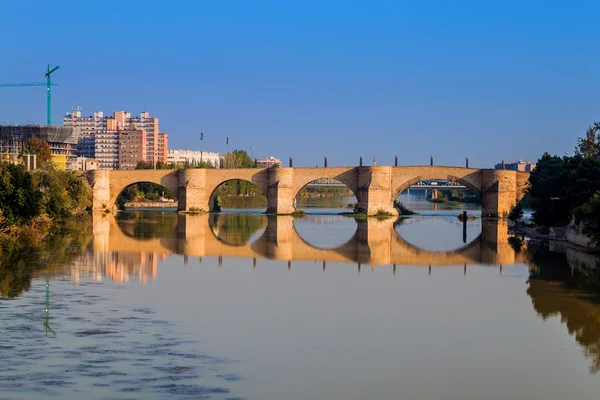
point(236, 305)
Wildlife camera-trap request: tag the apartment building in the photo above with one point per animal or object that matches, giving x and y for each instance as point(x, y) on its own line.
point(97, 136)
point(193, 157)
point(132, 148)
point(163, 147)
point(522, 166)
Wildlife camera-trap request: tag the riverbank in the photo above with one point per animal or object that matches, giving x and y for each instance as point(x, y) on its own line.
point(560, 238)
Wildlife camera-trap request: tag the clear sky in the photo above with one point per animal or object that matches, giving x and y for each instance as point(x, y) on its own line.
point(484, 79)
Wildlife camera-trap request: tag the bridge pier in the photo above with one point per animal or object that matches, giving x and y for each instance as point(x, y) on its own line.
point(281, 196)
point(191, 191)
point(375, 190)
point(499, 192)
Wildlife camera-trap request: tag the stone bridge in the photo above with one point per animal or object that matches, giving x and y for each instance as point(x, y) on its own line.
point(375, 188)
point(375, 242)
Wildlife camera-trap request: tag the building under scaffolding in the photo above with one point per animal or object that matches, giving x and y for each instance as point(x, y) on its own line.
point(62, 141)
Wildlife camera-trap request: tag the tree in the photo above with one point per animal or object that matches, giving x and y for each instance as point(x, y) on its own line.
point(202, 164)
point(589, 146)
point(516, 213)
point(144, 165)
point(559, 185)
point(238, 159)
point(41, 149)
point(589, 214)
point(19, 200)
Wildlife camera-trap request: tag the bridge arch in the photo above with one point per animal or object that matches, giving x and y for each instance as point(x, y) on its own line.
point(214, 192)
point(121, 180)
point(217, 177)
point(347, 176)
point(469, 178)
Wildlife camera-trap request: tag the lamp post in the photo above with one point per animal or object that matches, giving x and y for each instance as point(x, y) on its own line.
point(201, 147)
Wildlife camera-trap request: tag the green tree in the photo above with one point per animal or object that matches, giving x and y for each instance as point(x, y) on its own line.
point(63, 193)
point(144, 165)
point(559, 185)
point(41, 149)
point(238, 159)
point(589, 146)
point(516, 213)
point(589, 214)
point(19, 199)
point(202, 164)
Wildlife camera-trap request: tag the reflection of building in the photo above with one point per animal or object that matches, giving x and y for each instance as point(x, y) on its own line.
point(522, 166)
point(192, 157)
point(100, 135)
point(62, 142)
point(120, 267)
point(268, 162)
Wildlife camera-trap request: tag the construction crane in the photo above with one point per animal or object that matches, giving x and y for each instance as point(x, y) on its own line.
point(48, 85)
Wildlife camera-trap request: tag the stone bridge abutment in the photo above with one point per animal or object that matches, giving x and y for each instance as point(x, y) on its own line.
point(375, 188)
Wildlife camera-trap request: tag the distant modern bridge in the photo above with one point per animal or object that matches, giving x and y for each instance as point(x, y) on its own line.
point(375, 187)
point(446, 185)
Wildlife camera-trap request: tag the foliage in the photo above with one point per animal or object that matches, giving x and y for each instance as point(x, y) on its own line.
point(41, 149)
point(63, 193)
point(516, 213)
point(238, 159)
point(236, 229)
point(589, 146)
point(383, 214)
point(307, 192)
point(589, 213)
point(455, 196)
point(144, 165)
point(402, 209)
point(19, 199)
point(143, 191)
point(201, 164)
point(54, 193)
point(150, 165)
point(559, 185)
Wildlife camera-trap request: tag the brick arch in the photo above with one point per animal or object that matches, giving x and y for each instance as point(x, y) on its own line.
point(347, 176)
point(120, 180)
point(217, 177)
point(469, 178)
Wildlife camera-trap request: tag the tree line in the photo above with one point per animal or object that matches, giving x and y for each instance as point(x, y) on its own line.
point(44, 194)
point(568, 187)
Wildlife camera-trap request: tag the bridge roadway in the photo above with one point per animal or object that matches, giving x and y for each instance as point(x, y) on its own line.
point(375, 188)
point(375, 242)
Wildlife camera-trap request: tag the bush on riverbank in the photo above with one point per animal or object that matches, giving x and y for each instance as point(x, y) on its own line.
point(42, 195)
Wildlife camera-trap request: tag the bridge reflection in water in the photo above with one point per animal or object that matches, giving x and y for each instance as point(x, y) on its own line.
point(374, 242)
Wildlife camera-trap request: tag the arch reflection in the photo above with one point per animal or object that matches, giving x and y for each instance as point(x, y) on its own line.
point(237, 229)
point(451, 234)
point(373, 241)
point(146, 225)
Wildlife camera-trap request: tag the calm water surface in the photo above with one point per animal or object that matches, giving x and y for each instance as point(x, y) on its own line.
point(245, 306)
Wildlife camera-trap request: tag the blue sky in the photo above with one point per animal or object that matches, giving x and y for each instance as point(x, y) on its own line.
point(307, 79)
